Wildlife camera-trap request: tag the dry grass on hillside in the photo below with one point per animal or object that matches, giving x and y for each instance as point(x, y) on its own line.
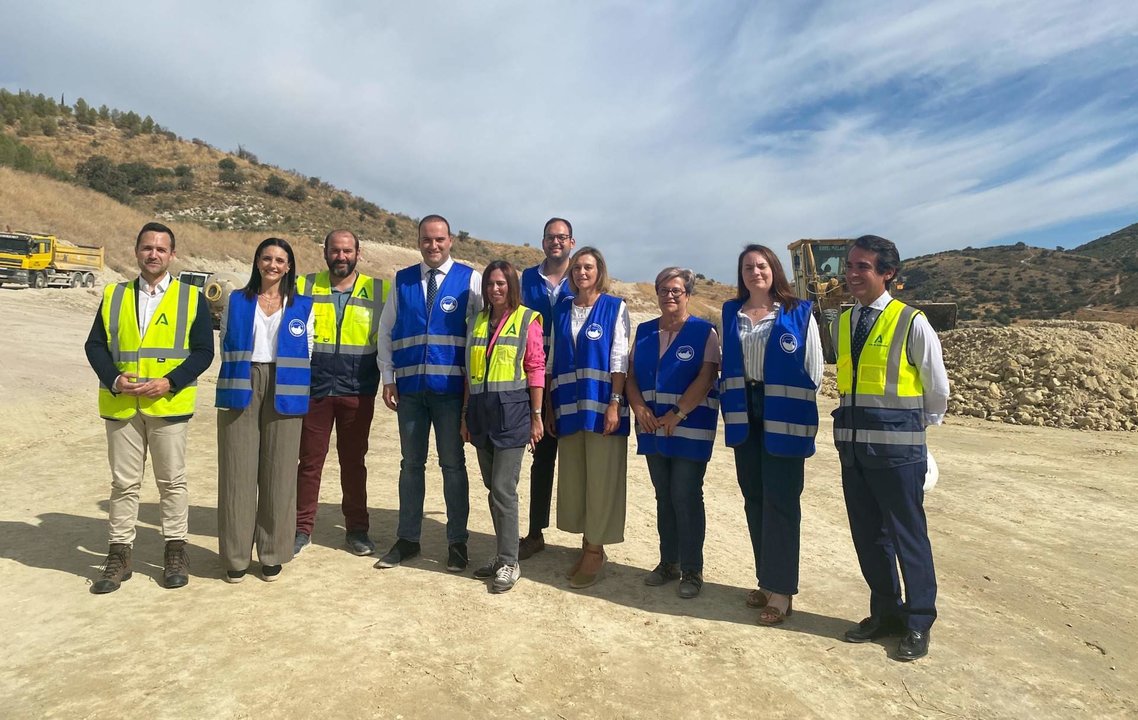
point(85, 217)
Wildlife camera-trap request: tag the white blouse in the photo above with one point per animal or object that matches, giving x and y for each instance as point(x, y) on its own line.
point(618, 356)
point(754, 337)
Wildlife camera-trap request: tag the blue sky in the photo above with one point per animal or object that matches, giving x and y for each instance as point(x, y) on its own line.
point(669, 133)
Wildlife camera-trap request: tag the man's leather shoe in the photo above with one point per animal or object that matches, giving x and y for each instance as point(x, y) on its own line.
point(874, 628)
point(914, 645)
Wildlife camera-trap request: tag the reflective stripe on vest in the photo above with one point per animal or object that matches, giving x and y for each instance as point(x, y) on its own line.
point(292, 377)
point(503, 371)
point(663, 380)
point(790, 409)
point(535, 296)
point(163, 346)
point(581, 379)
point(355, 333)
point(880, 419)
point(428, 343)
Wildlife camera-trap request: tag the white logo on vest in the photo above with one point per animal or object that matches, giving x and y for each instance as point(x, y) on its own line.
point(788, 343)
point(449, 304)
point(296, 327)
point(685, 353)
point(594, 331)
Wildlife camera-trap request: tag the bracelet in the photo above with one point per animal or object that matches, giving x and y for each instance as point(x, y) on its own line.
point(536, 412)
point(616, 398)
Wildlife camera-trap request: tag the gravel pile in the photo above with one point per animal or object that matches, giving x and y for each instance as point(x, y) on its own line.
point(1057, 373)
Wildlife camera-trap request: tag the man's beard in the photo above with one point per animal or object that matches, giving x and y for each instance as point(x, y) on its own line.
point(340, 270)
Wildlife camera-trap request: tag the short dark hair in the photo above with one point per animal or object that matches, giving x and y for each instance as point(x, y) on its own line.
point(288, 282)
point(513, 289)
point(887, 256)
point(780, 291)
point(155, 227)
point(552, 220)
point(434, 218)
point(341, 231)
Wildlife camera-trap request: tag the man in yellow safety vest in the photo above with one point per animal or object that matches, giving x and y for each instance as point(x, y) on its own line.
point(151, 339)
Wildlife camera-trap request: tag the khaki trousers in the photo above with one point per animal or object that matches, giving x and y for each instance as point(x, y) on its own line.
point(128, 443)
point(257, 451)
point(592, 484)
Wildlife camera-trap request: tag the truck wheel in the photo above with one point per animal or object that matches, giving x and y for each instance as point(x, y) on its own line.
point(38, 281)
point(89, 280)
point(76, 279)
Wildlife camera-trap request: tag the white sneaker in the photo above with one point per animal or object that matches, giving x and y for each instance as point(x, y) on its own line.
point(506, 577)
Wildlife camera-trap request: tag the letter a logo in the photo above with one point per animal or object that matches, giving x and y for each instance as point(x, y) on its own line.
point(363, 293)
point(162, 320)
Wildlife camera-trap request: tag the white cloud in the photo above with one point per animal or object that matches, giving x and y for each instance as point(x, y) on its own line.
point(668, 133)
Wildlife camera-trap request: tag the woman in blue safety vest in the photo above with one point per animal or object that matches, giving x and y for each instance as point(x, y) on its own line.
point(772, 366)
point(262, 395)
point(671, 390)
point(587, 368)
point(505, 382)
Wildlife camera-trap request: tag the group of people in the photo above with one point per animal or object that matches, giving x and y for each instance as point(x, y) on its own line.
point(543, 360)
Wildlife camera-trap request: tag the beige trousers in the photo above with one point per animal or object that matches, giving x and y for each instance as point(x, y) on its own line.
point(128, 443)
point(257, 451)
point(592, 484)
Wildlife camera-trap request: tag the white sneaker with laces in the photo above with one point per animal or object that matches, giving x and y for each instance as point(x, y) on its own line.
point(506, 577)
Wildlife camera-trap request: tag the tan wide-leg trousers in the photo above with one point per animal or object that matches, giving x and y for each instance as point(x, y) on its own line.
point(592, 481)
point(128, 443)
point(256, 478)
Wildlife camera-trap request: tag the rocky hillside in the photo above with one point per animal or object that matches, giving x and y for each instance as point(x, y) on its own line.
point(1009, 282)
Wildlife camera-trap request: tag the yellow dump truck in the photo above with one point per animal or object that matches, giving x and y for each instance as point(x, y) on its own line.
point(38, 260)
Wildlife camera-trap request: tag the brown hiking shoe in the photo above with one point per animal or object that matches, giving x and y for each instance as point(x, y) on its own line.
point(177, 566)
point(116, 570)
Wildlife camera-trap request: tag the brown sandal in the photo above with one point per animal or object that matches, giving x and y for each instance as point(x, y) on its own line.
point(757, 599)
point(582, 579)
point(771, 615)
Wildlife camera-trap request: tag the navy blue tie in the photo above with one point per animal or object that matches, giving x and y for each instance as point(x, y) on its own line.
point(861, 333)
point(432, 287)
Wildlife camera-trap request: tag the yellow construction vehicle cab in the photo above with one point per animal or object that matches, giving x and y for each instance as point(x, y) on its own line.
point(818, 271)
point(38, 260)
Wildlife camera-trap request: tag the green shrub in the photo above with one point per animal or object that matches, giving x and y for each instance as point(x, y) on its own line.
point(276, 186)
point(297, 193)
point(227, 164)
point(338, 202)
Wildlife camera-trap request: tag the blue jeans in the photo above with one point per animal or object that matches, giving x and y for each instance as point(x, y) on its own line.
point(680, 517)
point(417, 413)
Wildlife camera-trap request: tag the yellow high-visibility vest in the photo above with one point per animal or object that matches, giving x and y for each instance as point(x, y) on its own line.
point(162, 346)
point(503, 370)
point(356, 333)
point(883, 369)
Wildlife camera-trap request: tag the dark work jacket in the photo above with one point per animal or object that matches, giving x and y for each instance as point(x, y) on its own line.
point(501, 419)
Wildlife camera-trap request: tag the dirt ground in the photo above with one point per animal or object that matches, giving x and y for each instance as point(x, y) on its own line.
point(1033, 532)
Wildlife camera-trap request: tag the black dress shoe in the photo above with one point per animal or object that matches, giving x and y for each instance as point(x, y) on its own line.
point(914, 645)
point(874, 627)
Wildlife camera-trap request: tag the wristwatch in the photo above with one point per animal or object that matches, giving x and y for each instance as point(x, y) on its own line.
point(616, 398)
point(536, 412)
point(679, 413)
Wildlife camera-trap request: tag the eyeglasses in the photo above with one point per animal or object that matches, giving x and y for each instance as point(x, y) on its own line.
point(557, 238)
point(671, 292)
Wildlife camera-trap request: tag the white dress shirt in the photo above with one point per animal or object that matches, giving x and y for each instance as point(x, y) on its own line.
point(754, 338)
point(925, 354)
point(387, 317)
point(552, 289)
point(148, 299)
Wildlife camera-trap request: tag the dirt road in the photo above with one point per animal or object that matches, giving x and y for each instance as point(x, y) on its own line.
point(1033, 532)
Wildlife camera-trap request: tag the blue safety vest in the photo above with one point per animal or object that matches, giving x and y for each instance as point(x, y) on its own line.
point(535, 296)
point(582, 381)
point(293, 370)
point(663, 380)
point(429, 350)
point(790, 408)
